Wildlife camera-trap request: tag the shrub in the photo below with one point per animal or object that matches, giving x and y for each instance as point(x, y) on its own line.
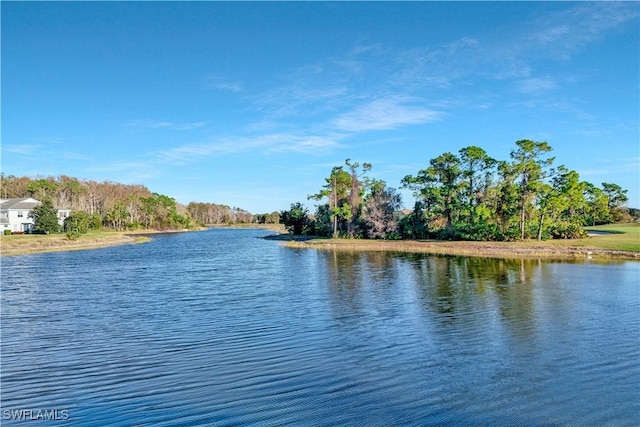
point(567, 231)
point(73, 234)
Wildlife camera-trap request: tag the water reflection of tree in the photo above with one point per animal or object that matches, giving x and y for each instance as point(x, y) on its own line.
point(361, 283)
point(345, 282)
point(455, 287)
point(451, 290)
point(513, 284)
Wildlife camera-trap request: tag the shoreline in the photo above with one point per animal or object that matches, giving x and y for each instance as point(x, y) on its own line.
point(27, 244)
point(35, 244)
point(59, 243)
point(558, 249)
point(527, 249)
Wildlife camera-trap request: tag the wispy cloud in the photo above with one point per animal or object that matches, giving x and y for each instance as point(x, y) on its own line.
point(511, 51)
point(562, 33)
point(158, 124)
point(233, 87)
point(536, 85)
point(74, 156)
point(591, 132)
point(269, 143)
point(47, 139)
point(128, 171)
point(436, 67)
point(386, 113)
point(614, 167)
point(339, 93)
point(223, 84)
point(189, 126)
point(308, 144)
point(302, 97)
point(337, 98)
point(121, 166)
point(190, 152)
point(356, 60)
point(24, 149)
point(569, 106)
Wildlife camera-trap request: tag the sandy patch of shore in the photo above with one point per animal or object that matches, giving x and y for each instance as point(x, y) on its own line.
point(29, 244)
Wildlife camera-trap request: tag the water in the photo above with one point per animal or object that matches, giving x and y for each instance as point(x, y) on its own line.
point(223, 328)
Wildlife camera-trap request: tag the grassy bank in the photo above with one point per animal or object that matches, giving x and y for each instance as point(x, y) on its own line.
point(35, 243)
point(622, 242)
point(622, 237)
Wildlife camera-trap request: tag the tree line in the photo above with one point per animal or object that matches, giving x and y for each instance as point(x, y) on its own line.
point(113, 206)
point(466, 195)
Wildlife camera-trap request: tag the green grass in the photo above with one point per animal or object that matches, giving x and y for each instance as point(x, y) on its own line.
point(623, 237)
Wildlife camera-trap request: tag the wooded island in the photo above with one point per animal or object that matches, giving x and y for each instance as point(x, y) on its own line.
point(464, 196)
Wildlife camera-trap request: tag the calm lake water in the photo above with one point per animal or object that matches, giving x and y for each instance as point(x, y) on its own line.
point(223, 328)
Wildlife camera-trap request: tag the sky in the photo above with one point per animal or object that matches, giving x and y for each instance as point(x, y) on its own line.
point(250, 104)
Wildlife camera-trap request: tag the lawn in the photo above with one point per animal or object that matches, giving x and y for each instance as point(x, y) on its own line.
point(622, 237)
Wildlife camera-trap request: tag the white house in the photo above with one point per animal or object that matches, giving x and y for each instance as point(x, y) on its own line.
point(14, 214)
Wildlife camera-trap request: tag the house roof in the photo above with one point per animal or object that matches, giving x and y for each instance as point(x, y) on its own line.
point(25, 203)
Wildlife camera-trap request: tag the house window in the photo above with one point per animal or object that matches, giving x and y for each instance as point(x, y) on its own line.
point(20, 214)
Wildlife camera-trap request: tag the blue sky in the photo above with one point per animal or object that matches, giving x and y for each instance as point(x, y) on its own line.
point(252, 104)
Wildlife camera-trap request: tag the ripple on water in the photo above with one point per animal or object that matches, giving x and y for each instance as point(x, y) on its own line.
point(222, 328)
